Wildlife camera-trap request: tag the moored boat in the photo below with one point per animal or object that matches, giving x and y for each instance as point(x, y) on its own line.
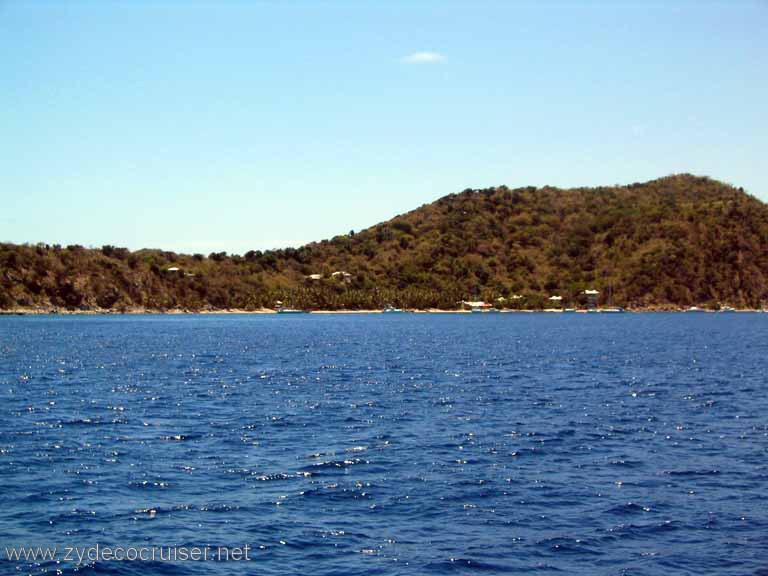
point(280, 309)
point(291, 311)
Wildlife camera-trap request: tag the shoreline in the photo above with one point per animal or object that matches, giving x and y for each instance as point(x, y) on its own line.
point(43, 311)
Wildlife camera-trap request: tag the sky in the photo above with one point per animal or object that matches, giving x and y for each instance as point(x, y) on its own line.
point(237, 125)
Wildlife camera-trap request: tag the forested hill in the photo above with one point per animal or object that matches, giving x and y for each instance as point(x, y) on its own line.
point(676, 241)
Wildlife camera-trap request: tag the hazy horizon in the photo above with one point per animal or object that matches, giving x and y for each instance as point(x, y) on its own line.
point(206, 127)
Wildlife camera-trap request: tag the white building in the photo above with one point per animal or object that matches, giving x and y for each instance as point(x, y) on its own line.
point(345, 277)
point(592, 297)
point(556, 301)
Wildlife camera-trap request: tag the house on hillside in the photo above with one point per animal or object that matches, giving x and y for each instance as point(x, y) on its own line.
point(345, 277)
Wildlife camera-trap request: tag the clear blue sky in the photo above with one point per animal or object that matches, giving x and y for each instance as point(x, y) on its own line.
point(205, 126)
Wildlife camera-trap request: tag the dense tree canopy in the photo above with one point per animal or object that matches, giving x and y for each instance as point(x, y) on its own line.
point(676, 241)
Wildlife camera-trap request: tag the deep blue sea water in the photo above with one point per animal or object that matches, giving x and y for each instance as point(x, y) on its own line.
point(404, 444)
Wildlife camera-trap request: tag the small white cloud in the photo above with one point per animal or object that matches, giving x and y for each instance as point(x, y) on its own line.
point(423, 58)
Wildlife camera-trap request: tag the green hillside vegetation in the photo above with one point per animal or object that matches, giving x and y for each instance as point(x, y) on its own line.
point(673, 242)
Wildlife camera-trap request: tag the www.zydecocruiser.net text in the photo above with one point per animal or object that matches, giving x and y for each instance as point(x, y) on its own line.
point(98, 553)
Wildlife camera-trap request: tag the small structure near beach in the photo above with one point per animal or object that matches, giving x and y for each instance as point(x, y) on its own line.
point(556, 301)
point(476, 305)
point(592, 297)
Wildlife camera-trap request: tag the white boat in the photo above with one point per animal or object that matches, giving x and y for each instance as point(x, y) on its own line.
point(389, 309)
point(283, 310)
point(613, 310)
point(695, 309)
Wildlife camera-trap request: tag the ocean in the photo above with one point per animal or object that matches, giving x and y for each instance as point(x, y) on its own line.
point(574, 444)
